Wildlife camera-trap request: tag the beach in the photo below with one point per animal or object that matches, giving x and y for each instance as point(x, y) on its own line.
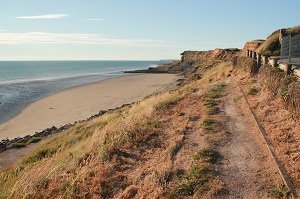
point(81, 102)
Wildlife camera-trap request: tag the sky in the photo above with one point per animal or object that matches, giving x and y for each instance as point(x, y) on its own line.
point(134, 29)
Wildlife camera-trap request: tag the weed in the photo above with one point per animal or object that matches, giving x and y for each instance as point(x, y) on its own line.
point(208, 155)
point(17, 145)
point(38, 156)
point(104, 153)
point(211, 103)
point(253, 91)
point(65, 186)
point(208, 123)
point(194, 118)
point(33, 140)
point(197, 177)
point(280, 191)
point(212, 111)
point(169, 102)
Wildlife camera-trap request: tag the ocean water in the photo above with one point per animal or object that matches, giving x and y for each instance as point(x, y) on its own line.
point(22, 82)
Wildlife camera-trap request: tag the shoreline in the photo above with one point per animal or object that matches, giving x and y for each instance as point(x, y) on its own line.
point(131, 87)
point(20, 107)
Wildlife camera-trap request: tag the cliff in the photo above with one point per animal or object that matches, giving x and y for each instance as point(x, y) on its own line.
point(210, 55)
point(251, 45)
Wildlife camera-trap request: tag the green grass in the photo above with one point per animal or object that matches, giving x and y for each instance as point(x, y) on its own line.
point(196, 178)
point(38, 156)
point(17, 145)
point(207, 154)
point(215, 92)
point(211, 100)
point(212, 111)
point(208, 124)
point(33, 140)
point(253, 91)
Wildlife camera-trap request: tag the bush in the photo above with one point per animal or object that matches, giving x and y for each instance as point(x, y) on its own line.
point(291, 98)
point(272, 79)
point(247, 64)
point(285, 86)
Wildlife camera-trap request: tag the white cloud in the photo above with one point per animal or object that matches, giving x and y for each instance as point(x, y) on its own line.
point(76, 38)
point(48, 16)
point(96, 19)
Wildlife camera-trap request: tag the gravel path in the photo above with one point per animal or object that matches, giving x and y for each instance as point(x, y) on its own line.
point(247, 169)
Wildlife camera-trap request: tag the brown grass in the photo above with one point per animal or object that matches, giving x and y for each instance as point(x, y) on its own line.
point(247, 64)
point(96, 158)
point(285, 86)
point(271, 47)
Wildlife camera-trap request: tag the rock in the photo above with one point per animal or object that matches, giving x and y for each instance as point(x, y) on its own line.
point(251, 45)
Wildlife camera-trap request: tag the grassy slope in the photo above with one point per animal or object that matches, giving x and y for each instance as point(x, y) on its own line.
point(81, 159)
point(271, 46)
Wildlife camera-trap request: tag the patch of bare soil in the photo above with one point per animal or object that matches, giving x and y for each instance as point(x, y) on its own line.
point(282, 130)
point(247, 170)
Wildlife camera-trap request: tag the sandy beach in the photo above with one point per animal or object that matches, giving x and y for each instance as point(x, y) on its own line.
point(81, 102)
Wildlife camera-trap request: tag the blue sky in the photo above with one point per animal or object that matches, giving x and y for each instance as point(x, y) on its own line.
point(134, 29)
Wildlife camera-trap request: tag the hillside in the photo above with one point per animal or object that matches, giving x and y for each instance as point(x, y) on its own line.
point(208, 138)
point(271, 46)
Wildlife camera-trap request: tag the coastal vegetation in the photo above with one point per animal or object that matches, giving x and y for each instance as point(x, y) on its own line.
point(271, 47)
point(89, 150)
point(176, 143)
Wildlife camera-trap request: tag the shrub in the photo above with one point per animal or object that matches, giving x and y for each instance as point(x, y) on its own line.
point(272, 79)
point(248, 65)
point(292, 99)
point(285, 86)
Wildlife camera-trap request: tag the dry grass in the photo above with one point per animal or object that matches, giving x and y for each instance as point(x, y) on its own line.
point(280, 192)
point(87, 159)
point(285, 86)
point(271, 47)
point(247, 64)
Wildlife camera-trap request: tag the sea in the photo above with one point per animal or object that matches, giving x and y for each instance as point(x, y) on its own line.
point(22, 82)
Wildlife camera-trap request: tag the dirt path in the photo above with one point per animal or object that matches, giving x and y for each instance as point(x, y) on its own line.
point(247, 169)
